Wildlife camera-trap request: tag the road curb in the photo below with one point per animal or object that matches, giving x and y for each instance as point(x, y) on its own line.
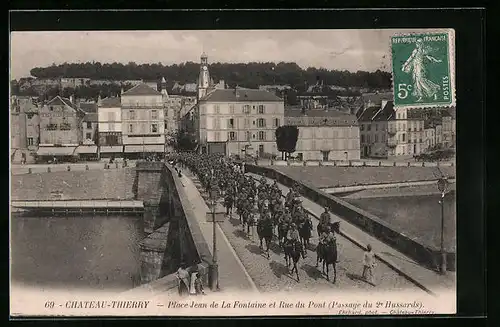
point(382, 258)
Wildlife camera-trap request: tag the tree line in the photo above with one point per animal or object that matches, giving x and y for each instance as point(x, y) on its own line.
point(249, 75)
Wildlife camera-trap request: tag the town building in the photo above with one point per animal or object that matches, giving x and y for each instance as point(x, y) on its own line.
point(24, 128)
point(324, 134)
point(447, 125)
point(238, 121)
point(429, 135)
point(374, 130)
point(88, 149)
point(110, 127)
point(60, 128)
point(143, 124)
point(387, 132)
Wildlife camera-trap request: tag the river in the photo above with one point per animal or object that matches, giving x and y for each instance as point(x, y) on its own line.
point(80, 253)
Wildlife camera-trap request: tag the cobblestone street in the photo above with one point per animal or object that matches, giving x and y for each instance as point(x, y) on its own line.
point(271, 275)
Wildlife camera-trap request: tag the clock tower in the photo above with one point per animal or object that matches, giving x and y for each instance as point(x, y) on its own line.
point(204, 78)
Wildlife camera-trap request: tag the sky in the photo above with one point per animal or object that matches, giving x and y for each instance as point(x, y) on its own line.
point(351, 50)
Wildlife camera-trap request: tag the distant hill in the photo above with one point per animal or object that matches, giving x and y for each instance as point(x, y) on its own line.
point(249, 75)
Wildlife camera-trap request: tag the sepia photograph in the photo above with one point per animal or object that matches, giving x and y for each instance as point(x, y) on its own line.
point(232, 172)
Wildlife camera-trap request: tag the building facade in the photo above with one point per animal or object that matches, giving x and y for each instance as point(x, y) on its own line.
point(143, 123)
point(387, 132)
point(25, 123)
point(242, 119)
point(325, 134)
point(60, 128)
point(110, 127)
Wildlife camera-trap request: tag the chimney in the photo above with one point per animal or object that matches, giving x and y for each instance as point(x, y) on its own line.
point(71, 98)
point(384, 103)
point(99, 101)
point(121, 91)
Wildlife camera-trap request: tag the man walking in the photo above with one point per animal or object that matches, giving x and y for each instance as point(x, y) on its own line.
point(368, 265)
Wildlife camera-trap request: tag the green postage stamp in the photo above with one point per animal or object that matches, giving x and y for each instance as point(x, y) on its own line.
point(423, 69)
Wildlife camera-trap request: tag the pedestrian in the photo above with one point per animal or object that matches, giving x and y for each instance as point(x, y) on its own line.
point(183, 279)
point(368, 265)
point(198, 285)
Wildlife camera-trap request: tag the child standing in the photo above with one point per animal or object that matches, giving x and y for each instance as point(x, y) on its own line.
point(368, 265)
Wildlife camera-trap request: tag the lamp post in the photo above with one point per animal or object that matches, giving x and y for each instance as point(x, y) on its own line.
point(442, 187)
point(214, 282)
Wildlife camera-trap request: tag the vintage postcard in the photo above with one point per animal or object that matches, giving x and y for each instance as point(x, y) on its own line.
point(232, 173)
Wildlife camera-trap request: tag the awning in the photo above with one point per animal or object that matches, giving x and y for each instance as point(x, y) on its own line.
point(111, 148)
point(56, 150)
point(86, 149)
point(145, 148)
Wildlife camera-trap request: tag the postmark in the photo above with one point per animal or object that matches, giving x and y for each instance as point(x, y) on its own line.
point(423, 69)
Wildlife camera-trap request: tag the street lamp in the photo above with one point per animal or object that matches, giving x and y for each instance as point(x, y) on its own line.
point(214, 267)
point(442, 185)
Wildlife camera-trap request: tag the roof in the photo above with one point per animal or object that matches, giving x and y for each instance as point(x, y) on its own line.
point(88, 107)
point(376, 113)
point(111, 102)
point(58, 100)
point(90, 116)
point(415, 114)
point(294, 112)
point(232, 95)
point(141, 89)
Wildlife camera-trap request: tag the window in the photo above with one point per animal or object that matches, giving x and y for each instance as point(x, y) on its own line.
point(132, 114)
point(166, 126)
point(261, 122)
point(232, 136)
point(130, 128)
point(247, 123)
point(368, 127)
point(231, 108)
point(217, 109)
point(276, 122)
point(247, 136)
point(230, 123)
point(217, 136)
point(88, 136)
point(403, 137)
point(51, 108)
point(362, 138)
point(154, 114)
point(89, 124)
point(261, 109)
point(368, 138)
point(376, 128)
point(246, 109)
point(30, 141)
point(376, 138)
point(362, 127)
point(154, 128)
point(262, 135)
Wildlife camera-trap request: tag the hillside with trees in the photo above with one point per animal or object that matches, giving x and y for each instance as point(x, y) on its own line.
point(249, 75)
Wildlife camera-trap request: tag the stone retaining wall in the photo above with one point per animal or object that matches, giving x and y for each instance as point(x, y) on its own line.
point(362, 219)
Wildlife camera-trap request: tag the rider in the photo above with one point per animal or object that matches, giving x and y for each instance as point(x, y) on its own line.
point(293, 234)
point(327, 236)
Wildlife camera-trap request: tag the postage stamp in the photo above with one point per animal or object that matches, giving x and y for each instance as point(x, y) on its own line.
point(422, 68)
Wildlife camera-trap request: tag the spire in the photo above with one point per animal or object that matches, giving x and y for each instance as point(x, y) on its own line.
point(99, 101)
point(163, 86)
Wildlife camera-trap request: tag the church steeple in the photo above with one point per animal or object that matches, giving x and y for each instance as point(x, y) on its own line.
point(163, 86)
point(204, 78)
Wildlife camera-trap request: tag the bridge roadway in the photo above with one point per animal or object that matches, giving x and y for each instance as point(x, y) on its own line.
point(271, 275)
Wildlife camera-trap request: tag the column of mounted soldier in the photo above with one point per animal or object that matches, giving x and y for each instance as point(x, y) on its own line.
point(261, 207)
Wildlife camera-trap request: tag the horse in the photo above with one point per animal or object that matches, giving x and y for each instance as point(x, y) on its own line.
point(265, 231)
point(283, 228)
point(305, 229)
point(327, 253)
point(293, 250)
point(335, 227)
